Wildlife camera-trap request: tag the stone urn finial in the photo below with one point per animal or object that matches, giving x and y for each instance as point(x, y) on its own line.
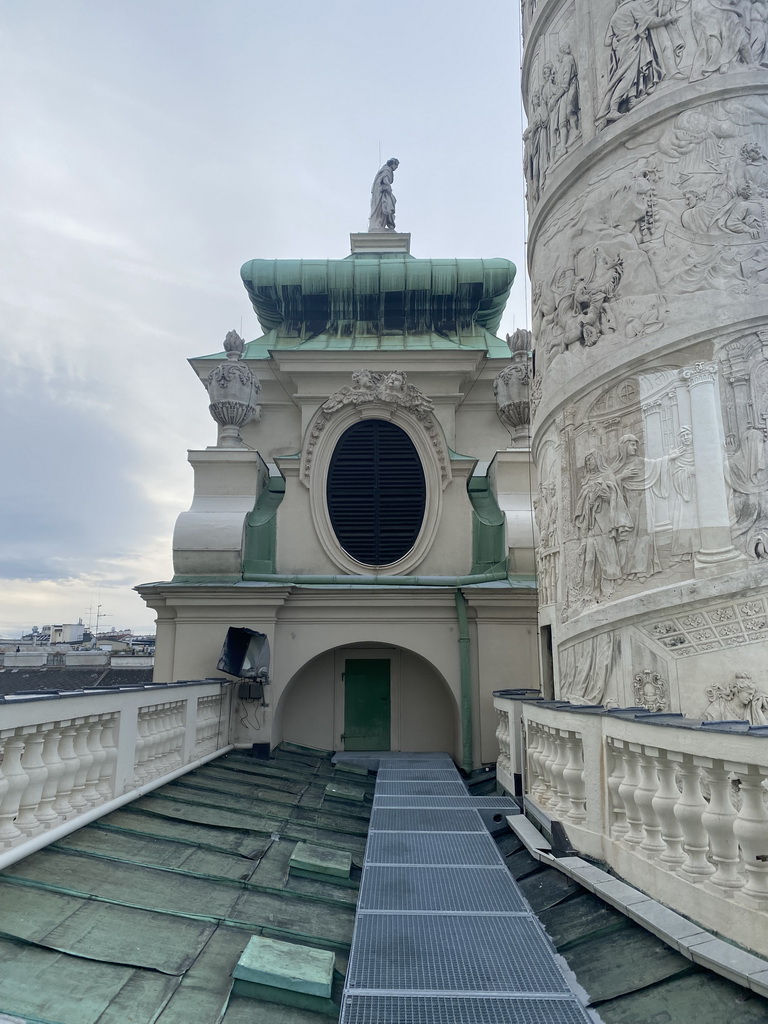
point(232, 389)
point(512, 388)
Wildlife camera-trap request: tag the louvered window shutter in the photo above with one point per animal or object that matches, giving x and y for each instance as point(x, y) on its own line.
point(376, 492)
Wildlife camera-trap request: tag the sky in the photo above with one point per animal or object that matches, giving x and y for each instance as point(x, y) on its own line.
point(150, 148)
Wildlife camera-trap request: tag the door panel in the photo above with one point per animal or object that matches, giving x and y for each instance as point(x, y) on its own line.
point(367, 704)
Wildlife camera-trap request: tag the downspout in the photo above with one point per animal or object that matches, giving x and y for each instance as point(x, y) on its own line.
point(465, 680)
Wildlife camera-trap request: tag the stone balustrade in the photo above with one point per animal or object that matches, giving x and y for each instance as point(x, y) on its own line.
point(67, 758)
point(674, 806)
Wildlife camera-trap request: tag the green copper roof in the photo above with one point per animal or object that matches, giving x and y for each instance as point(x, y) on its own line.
point(375, 295)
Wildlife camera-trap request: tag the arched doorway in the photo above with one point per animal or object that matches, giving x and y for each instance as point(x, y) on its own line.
point(368, 697)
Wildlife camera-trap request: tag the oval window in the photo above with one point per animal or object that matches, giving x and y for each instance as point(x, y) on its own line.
point(376, 492)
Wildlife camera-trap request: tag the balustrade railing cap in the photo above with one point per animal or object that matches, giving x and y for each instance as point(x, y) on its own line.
point(516, 693)
point(758, 730)
point(587, 709)
point(629, 712)
point(737, 725)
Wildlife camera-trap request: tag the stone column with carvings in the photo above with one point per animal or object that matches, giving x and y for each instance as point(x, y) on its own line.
point(648, 258)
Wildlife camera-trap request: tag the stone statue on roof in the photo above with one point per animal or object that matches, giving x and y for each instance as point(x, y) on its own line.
point(382, 198)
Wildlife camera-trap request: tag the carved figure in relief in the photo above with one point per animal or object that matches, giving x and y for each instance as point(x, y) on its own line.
point(566, 78)
point(589, 670)
point(739, 700)
point(635, 63)
point(684, 514)
point(759, 32)
point(747, 475)
point(532, 146)
point(640, 481)
point(601, 517)
point(383, 200)
point(721, 29)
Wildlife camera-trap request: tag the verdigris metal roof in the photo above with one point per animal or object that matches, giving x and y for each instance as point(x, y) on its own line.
point(378, 295)
point(142, 916)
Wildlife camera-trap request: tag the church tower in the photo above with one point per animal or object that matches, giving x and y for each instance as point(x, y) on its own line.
point(366, 505)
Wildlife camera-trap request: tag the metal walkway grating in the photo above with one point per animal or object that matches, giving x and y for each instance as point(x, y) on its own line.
point(408, 788)
point(447, 889)
point(431, 848)
point(413, 1009)
point(443, 934)
point(402, 819)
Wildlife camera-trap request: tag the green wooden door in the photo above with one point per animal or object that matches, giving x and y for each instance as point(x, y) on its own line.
point(366, 704)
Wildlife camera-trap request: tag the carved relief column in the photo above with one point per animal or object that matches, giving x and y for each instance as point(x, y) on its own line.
point(711, 495)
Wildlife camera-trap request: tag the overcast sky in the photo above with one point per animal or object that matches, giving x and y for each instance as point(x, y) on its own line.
point(150, 147)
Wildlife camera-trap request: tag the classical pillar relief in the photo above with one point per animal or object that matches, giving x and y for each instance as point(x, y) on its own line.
point(680, 209)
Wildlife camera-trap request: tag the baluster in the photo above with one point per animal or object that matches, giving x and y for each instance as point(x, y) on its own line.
point(106, 784)
point(688, 812)
point(61, 804)
point(16, 778)
point(667, 796)
point(84, 762)
point(91, 791)
point(535, 741)
point(652, 843)
point(180, 730)
point(141, 747)
point(718, 819)
point(618, 817)
point(573, 776)
point(560, 802)
point(46, 815)
point(751, 829)
point(627, 793)
point(547, 760)
point(37, 774)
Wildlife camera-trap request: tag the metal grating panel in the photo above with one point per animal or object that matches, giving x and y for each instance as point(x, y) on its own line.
point(404, 820)
point(410, 1009)
point(396, 888)
point(418, 775)
point(442, 953)
point(426, 848)
point(416, 762)
point(445, 802)
point(404, 788)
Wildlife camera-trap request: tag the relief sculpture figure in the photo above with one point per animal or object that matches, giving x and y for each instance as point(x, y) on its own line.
point(641, 480)
point(722, 32)
point(601, 517)
point(635, 62)
point(741, 700)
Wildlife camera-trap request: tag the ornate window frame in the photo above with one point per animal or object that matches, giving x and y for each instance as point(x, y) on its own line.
point(370, 397)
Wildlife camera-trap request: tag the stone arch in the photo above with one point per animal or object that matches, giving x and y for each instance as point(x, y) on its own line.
point(424, 710)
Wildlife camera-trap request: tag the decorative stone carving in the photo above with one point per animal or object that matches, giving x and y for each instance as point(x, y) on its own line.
point(711, 629)
point(651, 691)
point(369, 386)
point(383, 200)
point(738, 700)
point(512, 387)
point(589, 671)
point(232, 389)
point(553, 119)
point(680, 210)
